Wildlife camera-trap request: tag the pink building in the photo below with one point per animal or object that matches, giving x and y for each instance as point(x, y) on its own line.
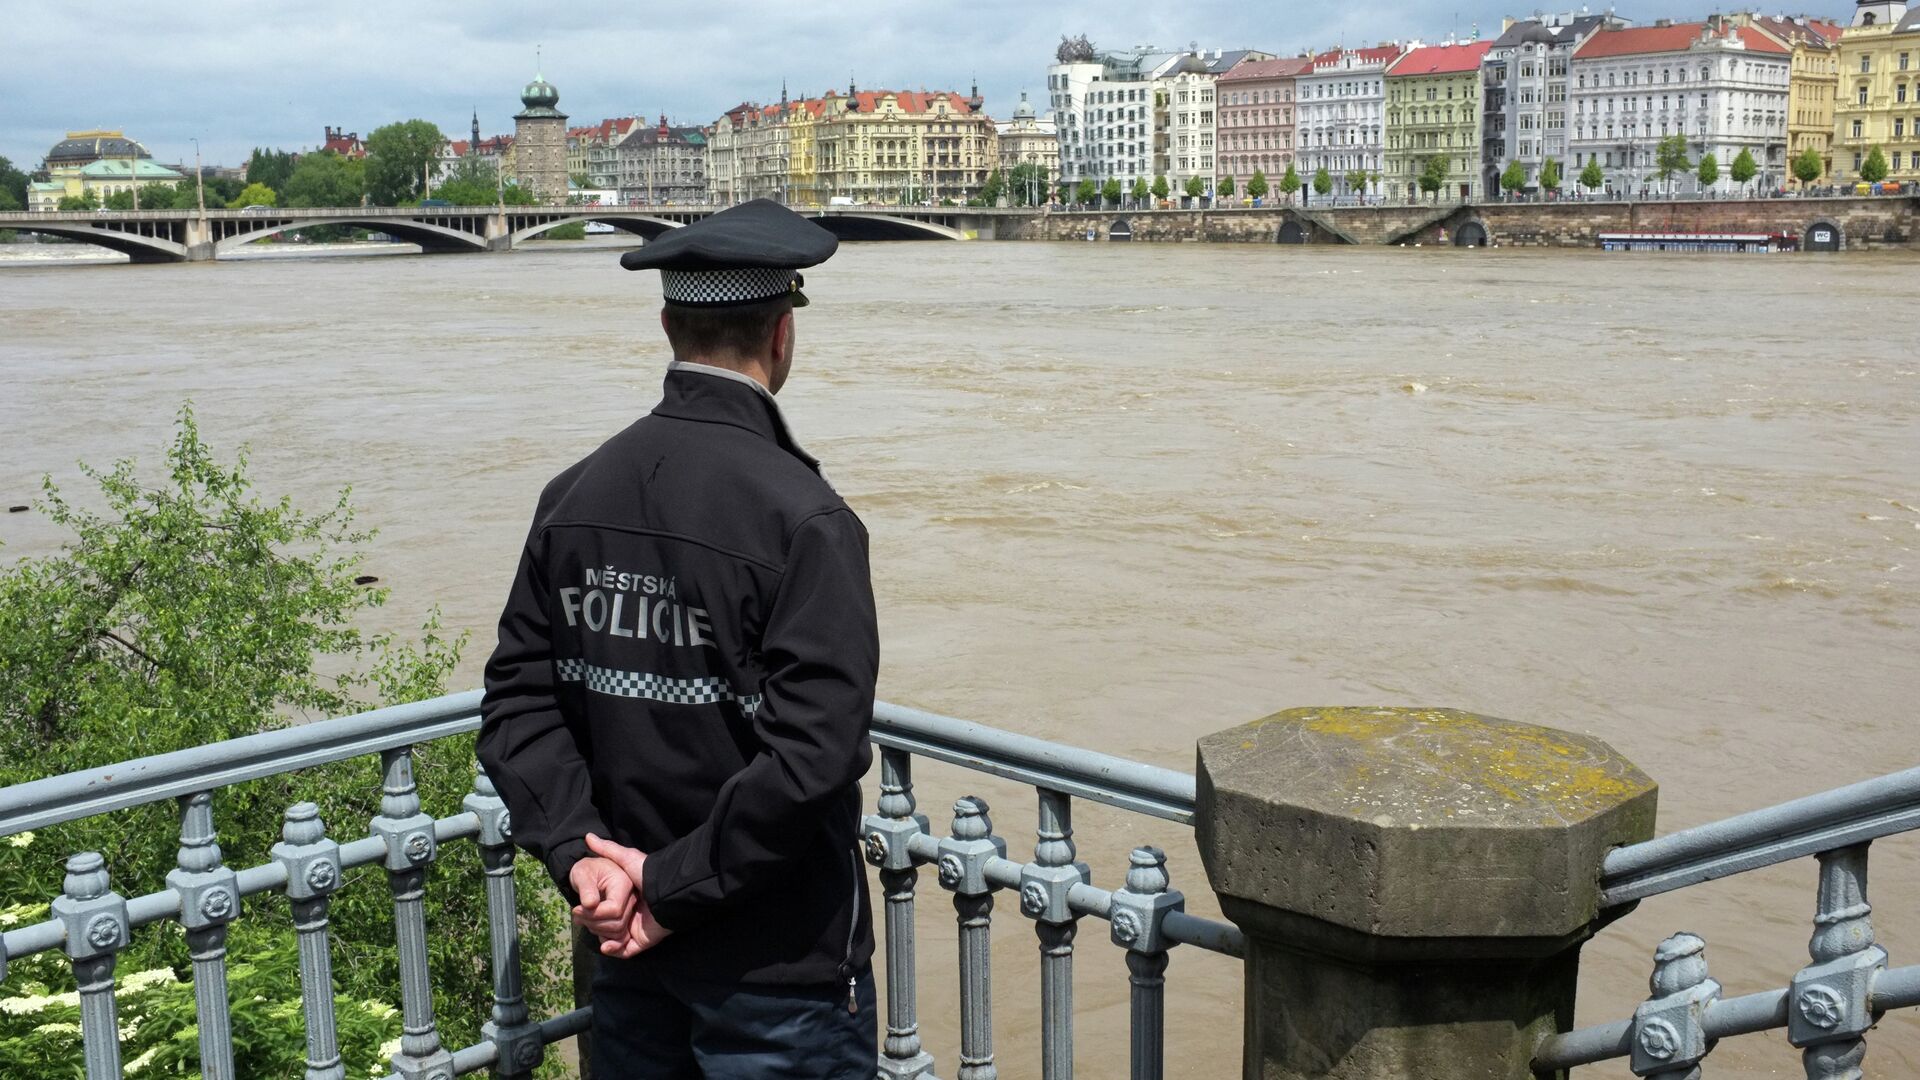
point(1256, 122)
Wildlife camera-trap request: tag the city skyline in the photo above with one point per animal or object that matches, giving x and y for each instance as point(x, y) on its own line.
point(217, 74)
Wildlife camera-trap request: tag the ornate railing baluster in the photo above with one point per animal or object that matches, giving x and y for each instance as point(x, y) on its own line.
point(1828, 1010)
point(1139, 912)
point(1044, 884)
point(1669, 1032)
point(95, 920)
point(888, 834)
point(313, 872)
point(515, 1037)
point(963, 862)
point(410, 844)
point(209, 900)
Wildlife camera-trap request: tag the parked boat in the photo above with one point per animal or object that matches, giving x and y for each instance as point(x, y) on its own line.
point(1700, 242)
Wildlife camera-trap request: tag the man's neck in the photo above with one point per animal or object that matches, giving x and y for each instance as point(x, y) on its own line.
point(756, 371)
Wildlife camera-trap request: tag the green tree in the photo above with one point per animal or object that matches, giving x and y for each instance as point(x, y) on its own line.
point(1110, 191)
point(270, 167)
point(119, 200)
point(70, 204)
point(1550, 175)
point(1028, 183)
point(328, 179)
point(1140, 190)
point(1226, 187)
point(1161, 189)
point(1670, 159)
point(1290, 182)
point(472, 182)
point(1744, 167)
point(1433, 176)
point(398, 157)
point(1086, 192)
point(222, 190)
point(1708, 171)
point(1514, 178)
point(1196, 187)
point(1257, 186)
point(580, 180)
point(1808, 166)
point(8, 202)
point(185, 609)
point(995, 187)
point(1357, 182)
point(1322, 182)
point(1592, 177)
point(254, 195)
point(14, 183)
point(1874, 169)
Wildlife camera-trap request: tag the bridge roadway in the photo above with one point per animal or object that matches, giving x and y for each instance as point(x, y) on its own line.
point(196, 236)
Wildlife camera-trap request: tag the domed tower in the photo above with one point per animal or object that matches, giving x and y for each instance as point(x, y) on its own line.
point(540, 143)
point(1023, 112)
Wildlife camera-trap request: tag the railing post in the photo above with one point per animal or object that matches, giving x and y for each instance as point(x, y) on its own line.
point(209, 900)
point(1368, 851)
point(1669, 1033)
point(411, 846)
point(1044, 885)
point(313, 873)
point(95, 919)
point(1140, 912)
point(1828, 1014)
point(888, 834)
point(515, 1037)
point(963, 863)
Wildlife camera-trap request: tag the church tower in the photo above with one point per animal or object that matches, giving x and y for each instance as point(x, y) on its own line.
point(540, 143)
point(1878, 12)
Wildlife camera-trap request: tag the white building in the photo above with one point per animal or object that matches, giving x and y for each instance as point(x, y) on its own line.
point(1186, 114)
point(1723, 87)
point(1341, 107)
point(1526, 91)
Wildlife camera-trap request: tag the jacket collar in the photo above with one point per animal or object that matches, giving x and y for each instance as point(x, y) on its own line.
point(715, 395)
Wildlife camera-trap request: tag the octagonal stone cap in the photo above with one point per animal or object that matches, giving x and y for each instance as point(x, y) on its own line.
point(1416, 823)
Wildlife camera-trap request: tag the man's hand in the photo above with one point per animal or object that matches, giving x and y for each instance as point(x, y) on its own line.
point(607, 896)
point(640, 931)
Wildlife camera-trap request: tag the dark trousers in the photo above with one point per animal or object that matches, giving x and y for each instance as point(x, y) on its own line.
point(649, 1027)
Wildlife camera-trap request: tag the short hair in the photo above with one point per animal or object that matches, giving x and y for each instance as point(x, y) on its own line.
point(735, 330)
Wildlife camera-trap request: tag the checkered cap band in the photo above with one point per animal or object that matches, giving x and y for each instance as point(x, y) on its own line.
point(717, 288)
point(649, 687)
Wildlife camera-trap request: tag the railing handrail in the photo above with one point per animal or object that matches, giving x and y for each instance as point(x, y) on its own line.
point(54, 800)
point(1833, 819)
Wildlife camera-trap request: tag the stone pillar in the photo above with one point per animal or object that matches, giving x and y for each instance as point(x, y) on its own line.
point(1414, 884)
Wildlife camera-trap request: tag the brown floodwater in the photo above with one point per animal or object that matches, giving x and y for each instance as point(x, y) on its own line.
point(1122, 496)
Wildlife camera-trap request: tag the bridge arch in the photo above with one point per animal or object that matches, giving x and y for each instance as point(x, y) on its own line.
point(429, 236)
point(885, 227)
point(1121, 230)
point(1471, 233)
point(133, 245)
point(642, 225)
point(1291, 232)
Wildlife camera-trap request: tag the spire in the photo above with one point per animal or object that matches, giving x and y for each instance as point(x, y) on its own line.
point(474, 146)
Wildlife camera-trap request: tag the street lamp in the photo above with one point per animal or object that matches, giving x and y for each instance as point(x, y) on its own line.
point(199, 181)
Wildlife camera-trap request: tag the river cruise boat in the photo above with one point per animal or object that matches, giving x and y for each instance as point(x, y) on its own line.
point(1700, 242)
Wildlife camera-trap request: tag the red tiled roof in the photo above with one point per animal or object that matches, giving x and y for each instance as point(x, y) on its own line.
point(1661, 39)
point(1819, 31)
point(1283, 68)
point(1441, 59)
point(1378, 54)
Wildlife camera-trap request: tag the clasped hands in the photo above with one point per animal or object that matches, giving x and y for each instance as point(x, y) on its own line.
point(612, 903)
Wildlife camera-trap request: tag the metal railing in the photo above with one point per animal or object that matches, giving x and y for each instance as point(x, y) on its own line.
point(1829, 1005)
point(91, 923)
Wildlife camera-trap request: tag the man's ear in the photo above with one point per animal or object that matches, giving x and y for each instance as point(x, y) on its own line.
point(782, 332)
point(663, 320)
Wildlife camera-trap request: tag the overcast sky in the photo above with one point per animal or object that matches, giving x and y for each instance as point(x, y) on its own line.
point(242, 74)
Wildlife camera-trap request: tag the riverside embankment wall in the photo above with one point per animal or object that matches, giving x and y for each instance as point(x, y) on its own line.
point(1856, 222)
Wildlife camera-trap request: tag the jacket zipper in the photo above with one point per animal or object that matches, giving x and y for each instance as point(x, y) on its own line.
point(853, 929)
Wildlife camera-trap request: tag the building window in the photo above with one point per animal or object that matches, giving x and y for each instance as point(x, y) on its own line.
point(1857, 129)
point(1862, 98)
point(1866, 63)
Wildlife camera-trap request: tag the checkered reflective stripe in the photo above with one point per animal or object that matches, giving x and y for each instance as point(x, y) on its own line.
point(737, 286)
point(640, 684)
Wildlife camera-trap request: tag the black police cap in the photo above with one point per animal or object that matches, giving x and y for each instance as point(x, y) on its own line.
point(741, 255)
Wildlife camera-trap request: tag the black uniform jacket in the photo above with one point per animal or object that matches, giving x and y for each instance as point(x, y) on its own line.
point(686, 665)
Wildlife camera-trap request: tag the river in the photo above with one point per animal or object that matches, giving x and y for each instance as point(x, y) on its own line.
point(1125, 495)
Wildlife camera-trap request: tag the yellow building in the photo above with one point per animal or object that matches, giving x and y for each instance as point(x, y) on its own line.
point(97, 163)
point(1815, 82)
point(1879, 102)
point(803, 170)
point(1433, 111)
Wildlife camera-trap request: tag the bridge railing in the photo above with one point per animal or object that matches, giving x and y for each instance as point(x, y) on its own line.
point(91, 922)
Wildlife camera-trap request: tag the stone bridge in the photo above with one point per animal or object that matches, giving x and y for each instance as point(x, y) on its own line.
point(193, 236)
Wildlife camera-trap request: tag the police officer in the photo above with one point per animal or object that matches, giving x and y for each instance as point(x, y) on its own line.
point(677, 711)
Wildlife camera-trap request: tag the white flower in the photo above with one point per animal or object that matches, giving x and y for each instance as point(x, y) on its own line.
point(140, 980)
point(57, 1029)
point(380, 1009)
point(143, 1060)
point(20, 839)
point(22, 1006)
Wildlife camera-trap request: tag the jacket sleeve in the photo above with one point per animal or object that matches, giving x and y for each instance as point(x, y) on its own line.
point(531, 752)
point(822, 652)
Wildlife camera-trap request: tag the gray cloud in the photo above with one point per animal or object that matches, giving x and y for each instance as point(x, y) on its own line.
point(240, 74)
